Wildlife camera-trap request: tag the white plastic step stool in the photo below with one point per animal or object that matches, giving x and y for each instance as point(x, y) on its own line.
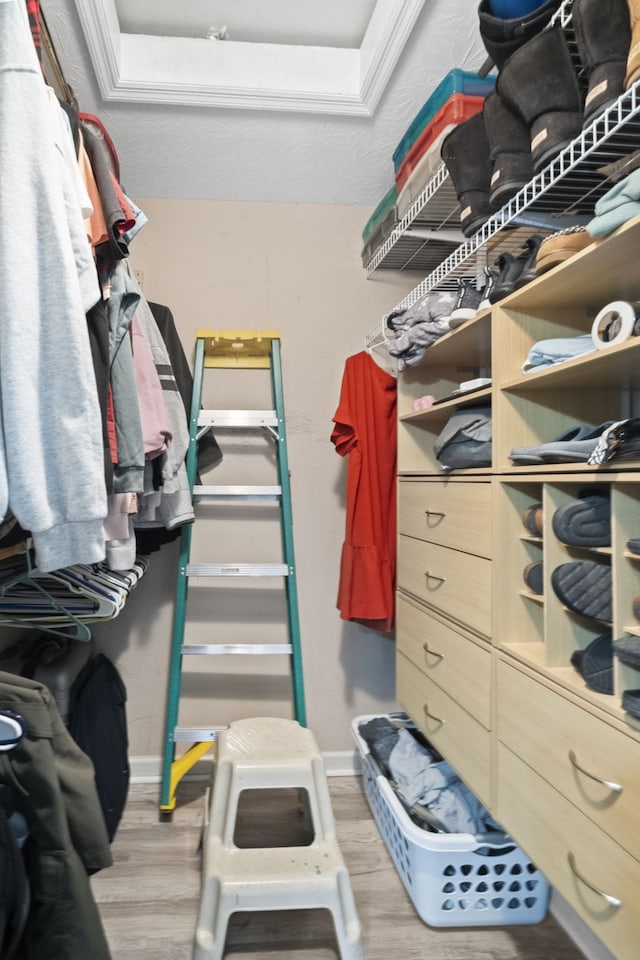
point(255, 754)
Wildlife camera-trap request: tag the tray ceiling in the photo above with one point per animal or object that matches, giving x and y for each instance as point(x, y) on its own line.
point(308, 109)
point(285, 57)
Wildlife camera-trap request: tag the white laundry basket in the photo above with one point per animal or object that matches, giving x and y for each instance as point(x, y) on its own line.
point(453, 879)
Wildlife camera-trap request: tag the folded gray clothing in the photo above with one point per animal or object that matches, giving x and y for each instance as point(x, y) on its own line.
point(437, 786)
point(433, 306)
point(381, 736)
point(419, 335)
point(547, 353)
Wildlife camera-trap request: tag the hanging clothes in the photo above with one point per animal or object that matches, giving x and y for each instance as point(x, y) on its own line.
point(365, 432)
point(51, 453)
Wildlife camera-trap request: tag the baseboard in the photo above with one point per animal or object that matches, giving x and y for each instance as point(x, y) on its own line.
point(338, 763)
point(575, 927)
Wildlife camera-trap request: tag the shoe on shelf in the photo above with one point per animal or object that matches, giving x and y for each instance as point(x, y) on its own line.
point(631, 702)
point(561, 246)
point(532, 519)
point(585, 522)
point(633, 546)
point(471, 300)
point(595, 664)
point(467, 304)
point(490, 277)
point(515, 272)
point(573, 446)
point(627, 649)
point(532, 576)
point(584, 587)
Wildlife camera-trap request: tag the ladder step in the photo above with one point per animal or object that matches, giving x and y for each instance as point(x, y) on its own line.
point(197, 734)
point(237, 418)
point(219, 649)
point(256, 494)
point(237, 570)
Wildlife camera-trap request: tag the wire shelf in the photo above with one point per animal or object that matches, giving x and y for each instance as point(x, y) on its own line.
point(565, 191)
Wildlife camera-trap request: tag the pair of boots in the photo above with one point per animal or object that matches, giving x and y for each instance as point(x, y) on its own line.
point(537, 108)
point(539, 82)
point(489, 159)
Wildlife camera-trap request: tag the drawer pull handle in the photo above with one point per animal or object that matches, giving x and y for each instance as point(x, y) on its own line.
point(612, 901)
point(434, 513)
point(432, 653)
point(610, 784)
point(433, 576)
point(432, 716)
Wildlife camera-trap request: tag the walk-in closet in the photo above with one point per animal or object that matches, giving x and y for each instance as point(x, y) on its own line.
point(319, 480)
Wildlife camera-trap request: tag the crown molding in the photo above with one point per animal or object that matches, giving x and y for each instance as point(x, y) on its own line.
point(180, 71)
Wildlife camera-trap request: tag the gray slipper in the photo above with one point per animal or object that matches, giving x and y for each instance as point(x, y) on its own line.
point(584, 586)
point(585, 522)
point(574, 446)
point(532, 576)
point(631, 702)
point(595, 664)
point(627, 649)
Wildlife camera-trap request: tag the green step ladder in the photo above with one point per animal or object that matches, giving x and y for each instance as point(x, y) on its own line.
point(238, 349)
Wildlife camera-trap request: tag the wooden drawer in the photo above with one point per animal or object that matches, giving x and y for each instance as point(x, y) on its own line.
point(461, 667)
point(544, 728)
point(458, 584)
point(550, 828)
point(454, 732)
point(452, 513)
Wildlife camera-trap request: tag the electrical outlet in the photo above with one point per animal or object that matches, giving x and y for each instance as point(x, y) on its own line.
point(139, 275)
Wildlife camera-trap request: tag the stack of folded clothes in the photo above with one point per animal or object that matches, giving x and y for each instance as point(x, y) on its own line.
point(547, 353)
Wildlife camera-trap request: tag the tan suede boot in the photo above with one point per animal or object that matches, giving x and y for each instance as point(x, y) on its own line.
point(633, 60)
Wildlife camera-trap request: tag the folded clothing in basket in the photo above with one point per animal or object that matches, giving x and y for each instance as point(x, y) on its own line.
point(420, 776)
point(381, 735)
point(436, 785)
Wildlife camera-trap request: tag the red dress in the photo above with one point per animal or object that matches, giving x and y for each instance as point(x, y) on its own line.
point(365, 430)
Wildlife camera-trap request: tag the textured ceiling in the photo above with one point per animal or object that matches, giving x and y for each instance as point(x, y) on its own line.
point(252, 155)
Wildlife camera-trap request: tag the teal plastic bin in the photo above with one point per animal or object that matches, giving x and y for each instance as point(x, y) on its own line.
point(385, 209)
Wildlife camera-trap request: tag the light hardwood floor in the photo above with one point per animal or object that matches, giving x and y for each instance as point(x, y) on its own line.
point(149, 898)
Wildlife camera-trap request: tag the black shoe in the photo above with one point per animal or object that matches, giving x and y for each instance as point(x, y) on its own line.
point(515, 272)
point(509, 268)
point(529, 254)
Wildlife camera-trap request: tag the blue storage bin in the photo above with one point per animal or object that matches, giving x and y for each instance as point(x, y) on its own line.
point(456, 81)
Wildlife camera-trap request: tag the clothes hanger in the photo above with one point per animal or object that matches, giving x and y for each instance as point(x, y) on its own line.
point(27, 577)
point(383, 359)
point(13, 728)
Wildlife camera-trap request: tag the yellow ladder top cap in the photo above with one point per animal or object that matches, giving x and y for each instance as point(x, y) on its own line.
point(237, 348)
